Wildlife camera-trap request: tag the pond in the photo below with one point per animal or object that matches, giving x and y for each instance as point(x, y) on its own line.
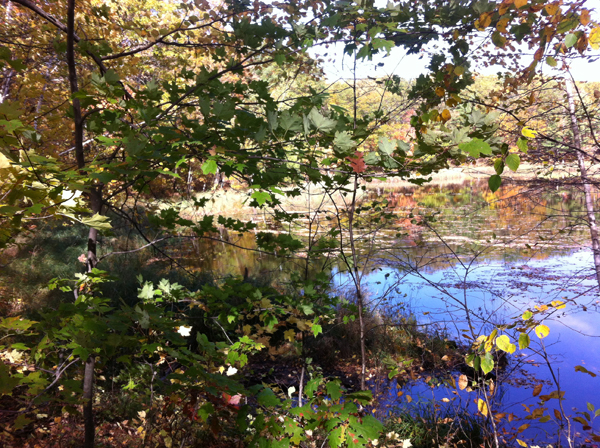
point(464, 255)
point(488, 258)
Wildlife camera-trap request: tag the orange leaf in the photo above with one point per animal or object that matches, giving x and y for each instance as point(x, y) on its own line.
point(446, 115)
point(357, 162)
point(537, 389)
point(520, 3)
point(485, 19)
point(584, 18)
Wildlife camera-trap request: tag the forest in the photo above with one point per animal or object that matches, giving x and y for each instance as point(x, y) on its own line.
point(207, 240)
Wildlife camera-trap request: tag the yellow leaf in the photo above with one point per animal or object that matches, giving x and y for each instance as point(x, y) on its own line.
point(463, 381)
point(440, 91)
point(542, 331)
point(558, 304)
point(446, 115)
point(520, 3)
point(408, 398)
point(482, 407)
point(594, 38)
point(529, 133)
point(552, 8)
point(290, 335)
point(521, 443)
point(4, 162)
point(247, 329)
point(501, 25)
point(459, 70)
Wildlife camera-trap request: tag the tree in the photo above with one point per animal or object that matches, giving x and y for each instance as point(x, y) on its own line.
point(151, 93)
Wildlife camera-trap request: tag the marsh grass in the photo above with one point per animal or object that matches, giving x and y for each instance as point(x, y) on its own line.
point(430, 425)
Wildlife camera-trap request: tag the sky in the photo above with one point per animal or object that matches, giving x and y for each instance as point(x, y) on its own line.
point(336, 65)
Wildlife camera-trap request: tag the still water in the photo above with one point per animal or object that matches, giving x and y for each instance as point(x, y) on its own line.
point(492, 257)
point(460, 252)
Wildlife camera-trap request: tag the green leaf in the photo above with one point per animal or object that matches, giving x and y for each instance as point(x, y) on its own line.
point(20, 422)
point(476, 147)
point(334, 390)
point(261, 197)
point(111, 77)
point(494, 182)
point(371, 158)
point(570, 40)
point(551, 61)
point(267, 398)
point(499, 166)
point(522, 145)
point(567, 25)
point(487, 363)
point(98, 222)
point(147, 291)
point(498, 39)
point(504, 344)
point(206, 411)
point(344, 142)
point(513, 161)
point(527, 315)
point(320, 122)
point(209, 167)
point(386, 146)
point(336, 437)
point(7, 383)
point(524, 341)
point(317, 329)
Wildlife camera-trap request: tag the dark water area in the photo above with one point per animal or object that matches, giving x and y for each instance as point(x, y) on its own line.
point(466, 254)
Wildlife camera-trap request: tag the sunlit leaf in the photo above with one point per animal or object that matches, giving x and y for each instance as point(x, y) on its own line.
point(524, 341)
point(463, 382)
point(529, 133)
point(542, 331)
point(512, 161)
point(504, 344)
point(594, 38)
point(482, 407)
point(475, 147)
point(98, 222)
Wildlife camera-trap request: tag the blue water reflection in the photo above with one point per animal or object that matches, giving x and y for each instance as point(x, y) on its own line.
point(496, 292)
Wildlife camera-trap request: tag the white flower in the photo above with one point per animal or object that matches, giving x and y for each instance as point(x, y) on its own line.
point(309, 432)
point(231, 371)
point(392, 435)
point(184, 331)
point(375, 442)
point(406, 443)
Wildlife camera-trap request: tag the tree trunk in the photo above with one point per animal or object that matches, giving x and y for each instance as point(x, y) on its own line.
point(587, 189)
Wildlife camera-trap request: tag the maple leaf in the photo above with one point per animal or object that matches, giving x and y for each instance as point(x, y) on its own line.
point(357, 162)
